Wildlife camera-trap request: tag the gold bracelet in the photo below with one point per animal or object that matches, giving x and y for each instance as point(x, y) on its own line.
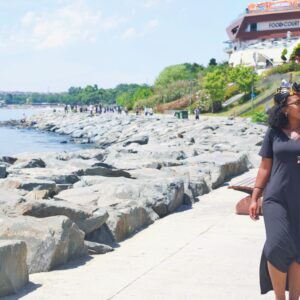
point(257, 187)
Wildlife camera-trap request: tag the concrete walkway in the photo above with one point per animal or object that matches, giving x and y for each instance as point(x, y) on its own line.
point(203, 253)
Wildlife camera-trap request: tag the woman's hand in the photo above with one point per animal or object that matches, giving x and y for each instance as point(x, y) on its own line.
point(253, 210)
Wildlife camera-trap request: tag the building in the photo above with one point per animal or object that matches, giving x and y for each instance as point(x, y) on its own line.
point(259, 36)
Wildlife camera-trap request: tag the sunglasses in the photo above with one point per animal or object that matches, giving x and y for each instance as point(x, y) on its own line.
point(291, 90)
point(297, 102)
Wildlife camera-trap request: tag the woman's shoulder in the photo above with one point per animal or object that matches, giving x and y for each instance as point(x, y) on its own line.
point(271, 131)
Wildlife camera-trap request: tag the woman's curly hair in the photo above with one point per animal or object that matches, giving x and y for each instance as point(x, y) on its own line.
point(277, 117)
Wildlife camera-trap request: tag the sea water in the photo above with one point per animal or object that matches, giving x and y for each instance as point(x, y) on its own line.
point(14, 141)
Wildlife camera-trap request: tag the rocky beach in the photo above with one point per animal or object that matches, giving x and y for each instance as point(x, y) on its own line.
point(57, 207)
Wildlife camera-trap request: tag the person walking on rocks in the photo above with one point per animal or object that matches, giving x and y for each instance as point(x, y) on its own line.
point(278, 180)
point(197, 113)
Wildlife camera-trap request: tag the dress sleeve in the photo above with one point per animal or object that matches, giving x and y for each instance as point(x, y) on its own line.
point(266, 149)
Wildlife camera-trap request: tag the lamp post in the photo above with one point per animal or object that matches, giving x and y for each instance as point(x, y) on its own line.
point(255, 57)
point(252, 92)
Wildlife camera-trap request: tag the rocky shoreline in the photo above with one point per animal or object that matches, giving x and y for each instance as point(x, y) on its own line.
point(59, 206)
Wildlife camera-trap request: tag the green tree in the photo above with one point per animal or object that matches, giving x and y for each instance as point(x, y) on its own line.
point(178, 72)
point(128, 99)
point(244, 77)
point(214, 84)
point(212, 62)
point(283, 54)
point(296, 53)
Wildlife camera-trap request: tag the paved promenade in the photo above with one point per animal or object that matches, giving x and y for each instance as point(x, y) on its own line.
point(204, 253)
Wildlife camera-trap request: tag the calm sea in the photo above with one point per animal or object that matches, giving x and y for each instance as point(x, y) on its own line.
point(14, 141)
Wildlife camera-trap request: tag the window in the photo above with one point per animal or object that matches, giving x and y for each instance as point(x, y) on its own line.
point(253, 27)
point(235, 30)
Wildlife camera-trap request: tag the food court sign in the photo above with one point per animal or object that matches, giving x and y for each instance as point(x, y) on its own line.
point(277, 25)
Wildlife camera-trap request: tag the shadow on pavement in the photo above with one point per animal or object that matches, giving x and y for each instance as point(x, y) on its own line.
point(28, 288)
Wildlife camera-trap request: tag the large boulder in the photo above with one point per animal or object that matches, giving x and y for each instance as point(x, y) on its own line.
point(13, 268)
point(141, 140)
point(193, 177)
point(96, 248)
point(27, 184)
point(62, 175)
point(128, 218)
point(131, 204)
point(9, 160)
point(101, 169)
point(87, 219)
point(220, 166)
point(51, 242)
point(10, 201)
point(32, 163)
point(164, 196)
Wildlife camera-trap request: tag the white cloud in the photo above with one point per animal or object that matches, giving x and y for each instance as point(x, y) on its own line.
point(68, 24)
point(151, 26)
point(113, 22)
point(132, 33)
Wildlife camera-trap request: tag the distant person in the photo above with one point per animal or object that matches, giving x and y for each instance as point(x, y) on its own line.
point(23, 120)
point(150, 111)
point(146, 111)
point(66, 109)
point(197, 113)
point(91, 108)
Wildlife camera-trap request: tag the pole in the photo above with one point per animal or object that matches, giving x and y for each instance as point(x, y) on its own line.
point(191, 82)
point(252, 94)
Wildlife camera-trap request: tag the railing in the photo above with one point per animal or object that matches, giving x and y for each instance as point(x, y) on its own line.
point(247, 13)
point(287, 8)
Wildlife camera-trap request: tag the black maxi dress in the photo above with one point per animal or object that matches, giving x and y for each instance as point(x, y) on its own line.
point(281, 205)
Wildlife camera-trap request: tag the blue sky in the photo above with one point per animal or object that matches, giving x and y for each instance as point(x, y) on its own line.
point(50, 45)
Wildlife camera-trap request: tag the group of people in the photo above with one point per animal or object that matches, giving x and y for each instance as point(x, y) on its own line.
point(100, 109)
point(147, 111)
point(95, 109)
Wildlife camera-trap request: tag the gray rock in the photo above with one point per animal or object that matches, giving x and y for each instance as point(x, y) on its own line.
point(141, 140)
point(13, 268)
point(102, 235)
point(162, 195)
point(10, 201)
point(57, 175)
point(33, 163)
point(128, 218)
point(9, 160)
point(86, 219)
point(106, 170)
point(96, 248)
point(2, 171)
point(51, 242)
point(228, 168)
point(27, 184)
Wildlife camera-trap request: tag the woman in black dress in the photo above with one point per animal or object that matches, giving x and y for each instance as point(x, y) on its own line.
point(278, 180)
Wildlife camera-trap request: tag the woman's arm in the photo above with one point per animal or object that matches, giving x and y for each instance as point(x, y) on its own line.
point(262, 178)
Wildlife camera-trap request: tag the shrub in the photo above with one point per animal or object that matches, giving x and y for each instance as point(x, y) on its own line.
point(231, 91)
point(282, 69)
point(259, 117)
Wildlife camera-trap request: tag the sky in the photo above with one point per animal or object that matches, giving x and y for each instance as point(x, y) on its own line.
point(51, 45)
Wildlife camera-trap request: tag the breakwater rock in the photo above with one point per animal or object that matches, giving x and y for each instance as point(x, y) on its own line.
point(68, 204)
